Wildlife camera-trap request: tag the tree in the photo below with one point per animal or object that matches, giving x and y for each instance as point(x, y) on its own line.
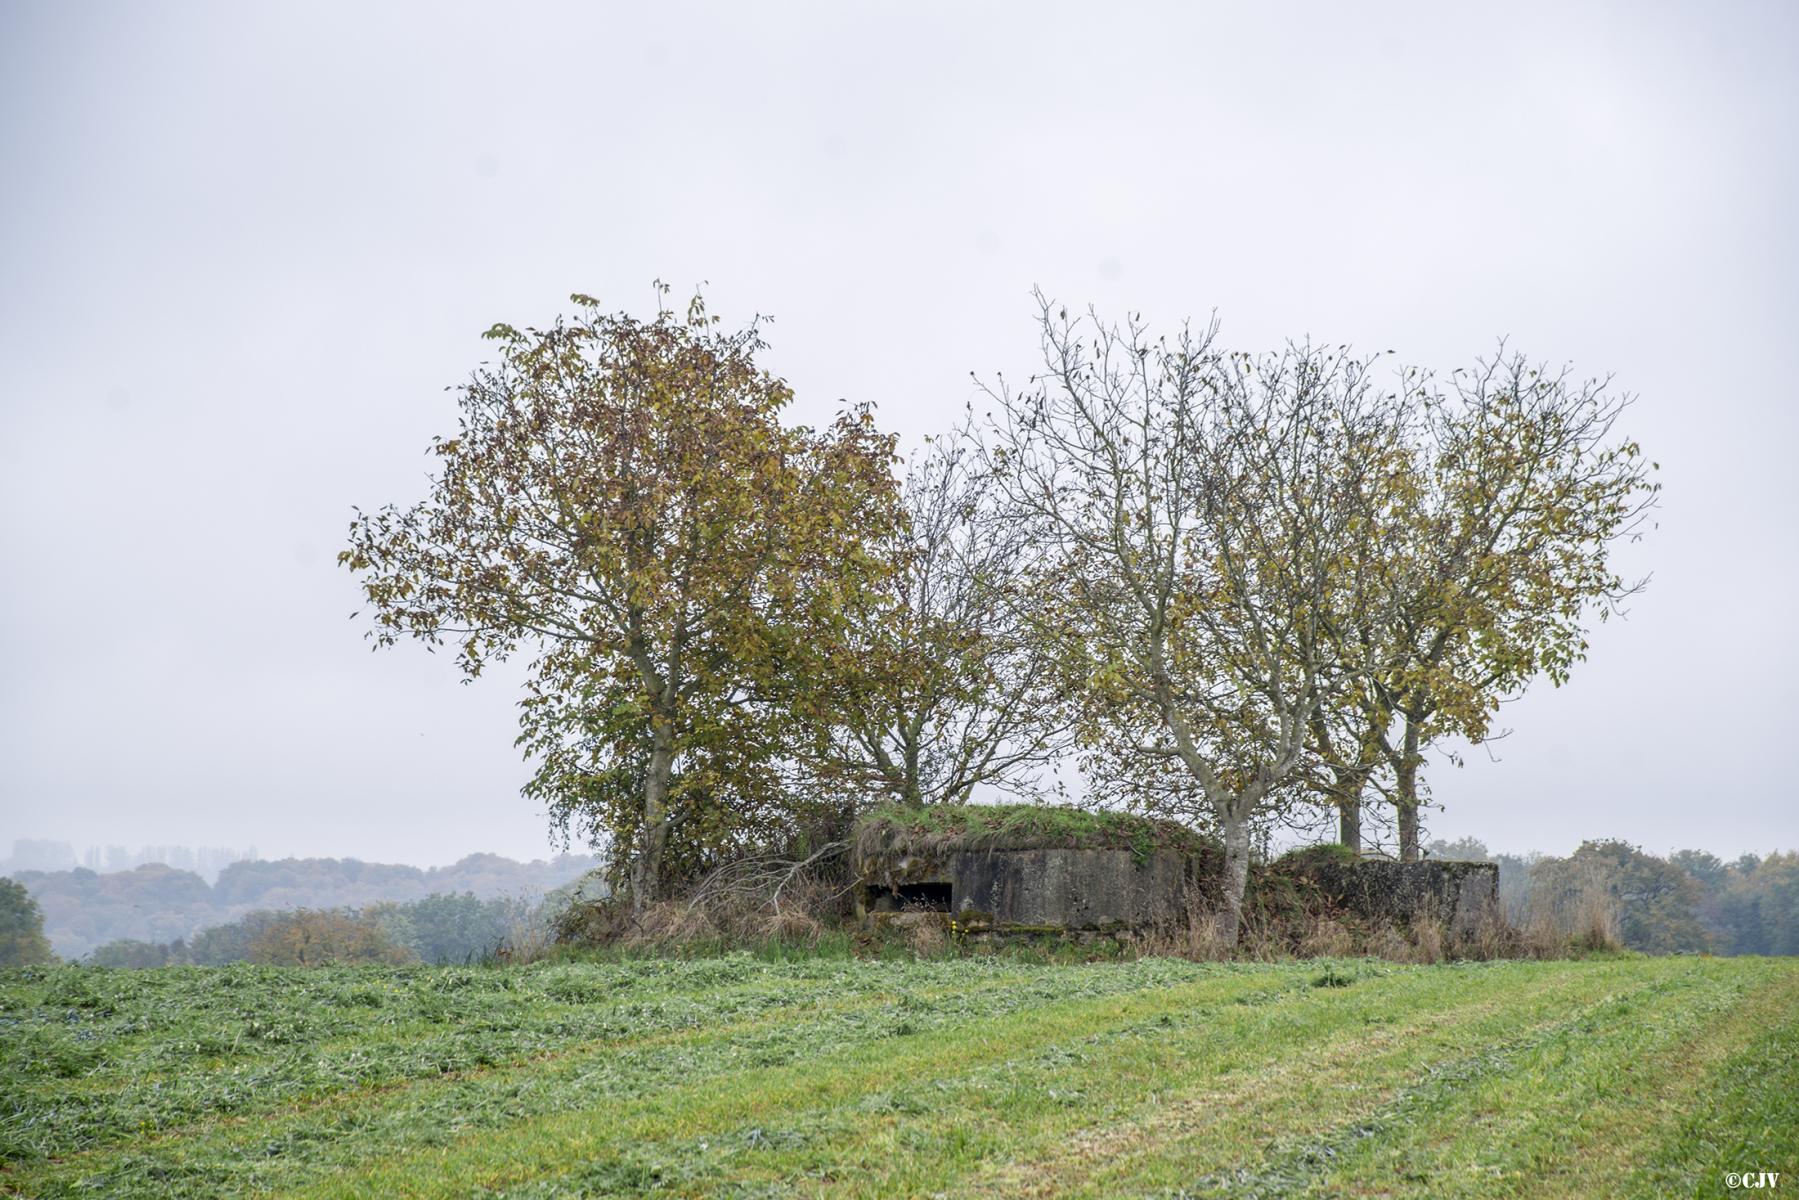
point(22, 941)
point(1656, 902)
point(1501, 561)
point(1193, 515)
point(1732, 919)
point(129, 952)
point(1380, 492)
point(1774, 885)
point(622, 498)
point(939, 684)
point(1463, 849)
point(1514, 870)
point(309, 938)
point(1707, 868)
point(447, 928)
point(1755, 905)
point(217, 945)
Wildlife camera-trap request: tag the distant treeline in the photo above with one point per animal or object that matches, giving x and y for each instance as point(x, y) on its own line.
point(85, 909)
point(441, 928)
point(46, 854)
point(1688, 902)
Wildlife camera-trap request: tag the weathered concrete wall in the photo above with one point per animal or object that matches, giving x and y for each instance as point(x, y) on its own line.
point(1068, 889)
point(1052, 889)
point(1458, 894)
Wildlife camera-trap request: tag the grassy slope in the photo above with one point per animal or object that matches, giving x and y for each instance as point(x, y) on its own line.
point(969, 1077)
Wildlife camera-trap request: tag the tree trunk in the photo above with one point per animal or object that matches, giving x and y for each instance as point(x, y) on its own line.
point(1236, 876)
point(1405, 796)
point(1346, 786)
point(914, 795)
point(1349, 810)
point(646, 872)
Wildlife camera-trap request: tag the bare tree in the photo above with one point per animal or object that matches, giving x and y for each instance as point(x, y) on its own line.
point(1192, 520)
point(940, 686)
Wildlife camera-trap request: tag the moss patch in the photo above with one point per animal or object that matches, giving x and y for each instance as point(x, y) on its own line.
point(1308, 856)
point(941, 828)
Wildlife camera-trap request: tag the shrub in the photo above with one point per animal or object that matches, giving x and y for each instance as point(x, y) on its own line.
point(308, 938)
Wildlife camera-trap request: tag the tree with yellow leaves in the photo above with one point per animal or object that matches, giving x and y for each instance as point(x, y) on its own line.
point(1496, 557)
point(623, 500)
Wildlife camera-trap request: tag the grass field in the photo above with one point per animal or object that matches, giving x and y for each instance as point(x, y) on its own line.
point(967, 1077)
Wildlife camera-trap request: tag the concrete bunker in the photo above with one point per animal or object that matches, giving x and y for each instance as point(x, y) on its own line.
point(1458, 895)
point(1028, 868)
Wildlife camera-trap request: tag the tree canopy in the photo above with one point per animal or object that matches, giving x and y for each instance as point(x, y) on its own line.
point(938, 683)
point(622, 499)
point(1499, 558)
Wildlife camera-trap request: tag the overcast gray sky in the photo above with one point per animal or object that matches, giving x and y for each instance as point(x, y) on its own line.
point(244, 248)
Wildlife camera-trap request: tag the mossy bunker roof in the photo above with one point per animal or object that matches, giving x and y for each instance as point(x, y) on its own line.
point(943, 828)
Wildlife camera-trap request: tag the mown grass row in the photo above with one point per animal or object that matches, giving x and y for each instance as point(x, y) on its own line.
point(974, 1077)
point(577, 1034)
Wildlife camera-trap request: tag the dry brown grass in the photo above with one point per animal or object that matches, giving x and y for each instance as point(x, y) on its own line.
point(1388, 943)
point(792, 925)
point(1595, 921)
point(810, 911)
point(1264, 941)
point(1193, 933)
point(798, 915)
point(528, 939)
point(1195, 936)
point(1583, 919)
point(1327, 938)
point(927, 939)
point(1539, 938)
point(1428, 940)
point(672, 922)
point(1492, 937)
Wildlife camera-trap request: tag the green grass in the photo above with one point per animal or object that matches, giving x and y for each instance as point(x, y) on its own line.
point(841, 1077)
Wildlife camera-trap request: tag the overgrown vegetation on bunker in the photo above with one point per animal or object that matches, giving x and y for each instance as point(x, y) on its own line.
point(946, 828)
